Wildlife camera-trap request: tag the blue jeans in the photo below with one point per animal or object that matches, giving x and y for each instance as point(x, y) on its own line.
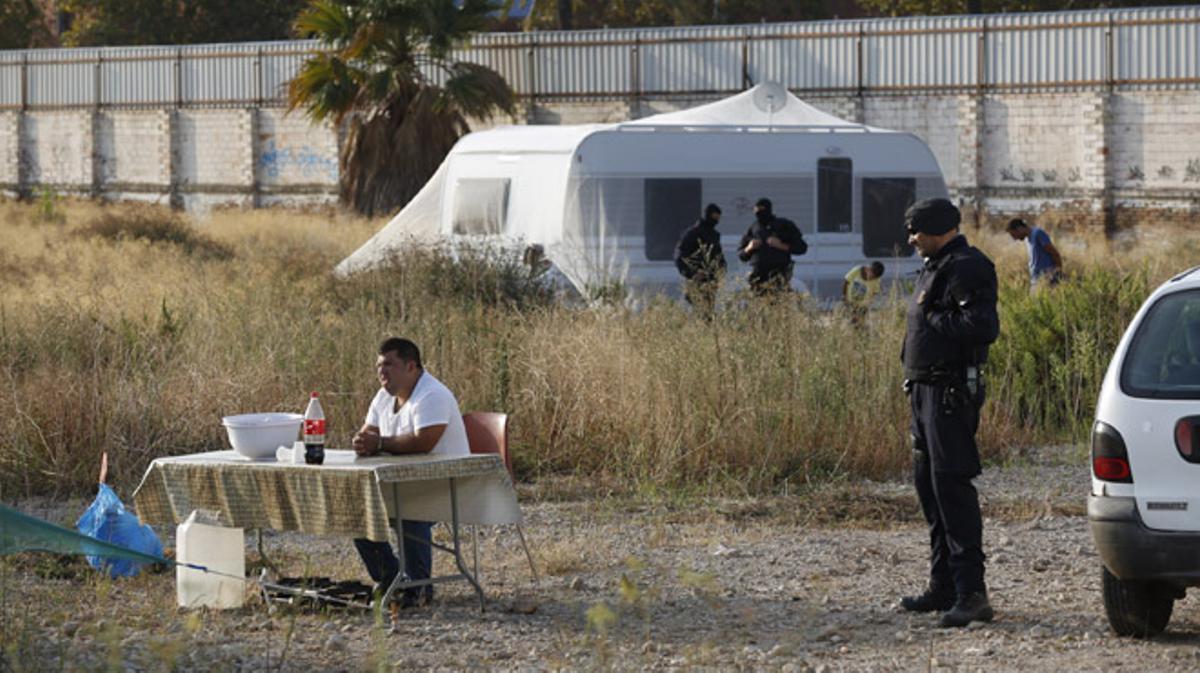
point(383, 565)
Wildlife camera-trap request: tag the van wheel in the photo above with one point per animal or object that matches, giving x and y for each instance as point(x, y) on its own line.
point(1138, 609)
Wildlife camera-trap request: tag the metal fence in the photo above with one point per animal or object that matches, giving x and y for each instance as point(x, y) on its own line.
point(1116, 49)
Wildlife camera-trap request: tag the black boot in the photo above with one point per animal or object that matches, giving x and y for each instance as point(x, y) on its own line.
point(969, 608)
point(935, 599)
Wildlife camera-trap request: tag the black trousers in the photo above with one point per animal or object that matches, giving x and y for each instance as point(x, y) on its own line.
point(702, 294)
point(945, 460)
point(772, 281)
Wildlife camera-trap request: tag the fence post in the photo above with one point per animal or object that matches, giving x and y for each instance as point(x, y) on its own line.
point(258, 78)
point(746, 83)
point(1109, 56)
point(96, 187)
point(174, 190)
point(531, 76)
point(23, 159)
point(97, 87)
point(24, 81)
point(1107, 200)
point(980, 119)
point(858, 48)
point(635, 71)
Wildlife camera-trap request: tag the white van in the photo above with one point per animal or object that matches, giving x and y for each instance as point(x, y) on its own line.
point(1144, 508)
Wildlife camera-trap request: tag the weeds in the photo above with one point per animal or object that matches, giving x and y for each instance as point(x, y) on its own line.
point(140, 346)
point(47, 210)
point(155, 226)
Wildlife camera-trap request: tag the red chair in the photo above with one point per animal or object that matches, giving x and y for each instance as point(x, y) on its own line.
point(487, 432)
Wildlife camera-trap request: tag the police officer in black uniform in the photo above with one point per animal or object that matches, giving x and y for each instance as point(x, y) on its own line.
point(951, 321)
point(700, 260)
point(768, 246)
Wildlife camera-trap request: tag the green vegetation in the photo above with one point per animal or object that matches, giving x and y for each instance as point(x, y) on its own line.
point(388, 66)
point(135, 344)
point(120, 22)
point(22, 25)
point(154, 225)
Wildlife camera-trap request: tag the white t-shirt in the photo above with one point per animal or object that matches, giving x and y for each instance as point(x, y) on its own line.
point(431, 403)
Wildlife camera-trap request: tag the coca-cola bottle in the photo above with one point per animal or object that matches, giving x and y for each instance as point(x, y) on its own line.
point(314, 432)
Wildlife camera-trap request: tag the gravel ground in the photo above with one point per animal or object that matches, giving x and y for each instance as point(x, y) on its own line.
point(800, 583)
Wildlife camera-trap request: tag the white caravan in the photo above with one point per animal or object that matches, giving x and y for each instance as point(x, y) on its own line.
point(609, 201)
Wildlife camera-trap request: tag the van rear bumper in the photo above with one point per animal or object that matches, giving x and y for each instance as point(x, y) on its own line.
point(1131, 551)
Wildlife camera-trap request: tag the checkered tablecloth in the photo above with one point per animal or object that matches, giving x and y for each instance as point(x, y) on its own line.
point(346, 496)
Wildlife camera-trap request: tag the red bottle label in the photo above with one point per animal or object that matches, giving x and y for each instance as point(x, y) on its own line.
point(314, 427)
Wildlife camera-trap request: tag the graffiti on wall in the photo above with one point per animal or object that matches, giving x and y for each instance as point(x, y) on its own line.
point(304, 160)
point(1013, 174)
point(1192, 172)
point(1167, 173)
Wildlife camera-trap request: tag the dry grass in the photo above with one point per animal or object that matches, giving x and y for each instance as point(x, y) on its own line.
point(136, 346)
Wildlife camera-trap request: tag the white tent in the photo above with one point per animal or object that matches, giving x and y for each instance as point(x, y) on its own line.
point(608, 201)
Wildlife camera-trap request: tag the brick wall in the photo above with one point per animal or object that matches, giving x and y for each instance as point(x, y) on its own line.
point(56, 149)
point(291, 151)
point(10, 151)
point(133, 151)
point(1154, 141)
point(937, 120)
point(1093, 157)
point(1043, 141)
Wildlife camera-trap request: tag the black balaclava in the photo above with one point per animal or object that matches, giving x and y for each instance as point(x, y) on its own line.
point(710, 210)
point(763, 210)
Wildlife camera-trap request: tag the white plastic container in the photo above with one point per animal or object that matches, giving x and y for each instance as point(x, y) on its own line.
point(201, 540)
point(256, 436)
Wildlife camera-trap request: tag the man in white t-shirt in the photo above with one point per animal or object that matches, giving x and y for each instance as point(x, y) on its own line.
point(412, 413)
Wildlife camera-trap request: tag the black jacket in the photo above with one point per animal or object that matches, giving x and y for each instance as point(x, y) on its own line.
point(952, 312)
point(767, 261)
point(699, 250)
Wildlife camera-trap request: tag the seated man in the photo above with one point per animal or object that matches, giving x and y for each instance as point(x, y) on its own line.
point(412, 413)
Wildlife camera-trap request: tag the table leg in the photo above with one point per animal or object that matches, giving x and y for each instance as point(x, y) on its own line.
point(398, 526)
point(262, 554)
point(458, 559)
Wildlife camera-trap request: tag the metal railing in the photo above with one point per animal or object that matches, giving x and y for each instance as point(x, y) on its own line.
point(1103, 49)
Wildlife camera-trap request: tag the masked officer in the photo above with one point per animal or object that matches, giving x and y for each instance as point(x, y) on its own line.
point(768, 246)
point(700, 260)
point(951, 321)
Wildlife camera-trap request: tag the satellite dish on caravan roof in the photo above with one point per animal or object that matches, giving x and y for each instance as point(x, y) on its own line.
point(770, 97)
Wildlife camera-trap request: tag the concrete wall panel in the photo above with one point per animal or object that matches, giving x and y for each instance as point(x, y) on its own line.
point(936, 120)
point(291, 151)
point(213, 150)
point(1042, 141)
point(57, 149)
point(10, 148)
point(1153, 140)
point(133, 150)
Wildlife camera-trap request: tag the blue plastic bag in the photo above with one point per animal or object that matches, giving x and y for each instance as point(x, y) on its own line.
point(106, 519)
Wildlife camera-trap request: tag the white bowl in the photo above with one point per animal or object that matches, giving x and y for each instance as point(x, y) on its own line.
point(256, 436)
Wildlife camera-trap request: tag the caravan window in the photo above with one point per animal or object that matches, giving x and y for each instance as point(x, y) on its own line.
point(835, 195)
point(671, 206)
point(884, 201)
point(481, 206)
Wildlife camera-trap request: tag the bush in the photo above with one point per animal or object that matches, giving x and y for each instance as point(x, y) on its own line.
point(1055, 345)
point(156, 226)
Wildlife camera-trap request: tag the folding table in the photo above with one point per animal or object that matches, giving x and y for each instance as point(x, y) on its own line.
point(346, 496)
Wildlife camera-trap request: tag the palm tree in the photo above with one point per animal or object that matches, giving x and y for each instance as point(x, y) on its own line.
point(387, 67)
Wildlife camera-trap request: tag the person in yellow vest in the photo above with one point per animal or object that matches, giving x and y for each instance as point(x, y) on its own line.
point(859, 287)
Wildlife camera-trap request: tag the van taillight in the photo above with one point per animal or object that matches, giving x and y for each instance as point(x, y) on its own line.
point(1110, 461)
point(1187, 438)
